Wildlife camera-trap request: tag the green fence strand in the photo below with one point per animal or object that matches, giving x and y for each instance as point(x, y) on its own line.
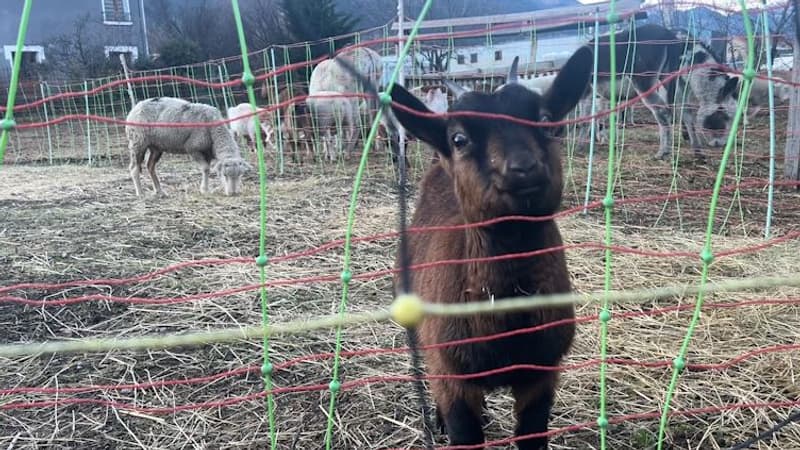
point(346, 276)
point(248, 80)
point(677, 135)
point(770, 87)
point(593, 123)
point(88, 123)
point(608, 204)
point(278, 127)
point(8, 122)
point(46, 119)
point(707, 256)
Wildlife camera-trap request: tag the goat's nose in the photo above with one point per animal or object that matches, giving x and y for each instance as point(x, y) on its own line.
point(520, 166)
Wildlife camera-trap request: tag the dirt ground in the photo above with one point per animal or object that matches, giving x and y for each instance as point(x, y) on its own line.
point(77, 222)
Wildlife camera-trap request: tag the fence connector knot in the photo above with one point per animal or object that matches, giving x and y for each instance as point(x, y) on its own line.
point(7, 124)
point(261, 260)
point(248, 79)
point(407, 310)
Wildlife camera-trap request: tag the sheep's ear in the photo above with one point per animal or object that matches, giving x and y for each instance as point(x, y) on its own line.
point(432, 130)
point(569, 85)
point(214, 167)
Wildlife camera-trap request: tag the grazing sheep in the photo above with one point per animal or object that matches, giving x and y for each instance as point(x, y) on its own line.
point(213, 148)
point(243, 124)
point(759, 92)
point(330, 114)
point(491, 168)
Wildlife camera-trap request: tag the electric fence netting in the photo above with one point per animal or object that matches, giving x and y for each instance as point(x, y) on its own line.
point(210, 320)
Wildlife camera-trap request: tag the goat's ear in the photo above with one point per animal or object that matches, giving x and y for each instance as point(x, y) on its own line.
point(569, 85)
point(432, 130)
point(513, 75)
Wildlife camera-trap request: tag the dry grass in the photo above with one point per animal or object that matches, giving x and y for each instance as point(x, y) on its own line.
point(76, 222)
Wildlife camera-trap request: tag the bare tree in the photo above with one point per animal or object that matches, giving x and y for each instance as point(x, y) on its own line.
point(265, 23)
point(434, 58)
point(80, 53)
point(207, 24)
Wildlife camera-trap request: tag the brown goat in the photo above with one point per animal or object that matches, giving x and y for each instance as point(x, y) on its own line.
point(490, 168)
point(296, 126)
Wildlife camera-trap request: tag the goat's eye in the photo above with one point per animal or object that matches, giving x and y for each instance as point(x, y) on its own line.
point(459, 140)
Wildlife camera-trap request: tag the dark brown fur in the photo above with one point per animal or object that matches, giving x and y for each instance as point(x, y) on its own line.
point(503, 169)
point(296, 126)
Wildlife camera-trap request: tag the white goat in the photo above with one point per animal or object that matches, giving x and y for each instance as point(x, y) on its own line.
point(244, 126)
point(212, 147)
point(327, 111)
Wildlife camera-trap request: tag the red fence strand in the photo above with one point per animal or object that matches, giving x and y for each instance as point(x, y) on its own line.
point(385, 272)
point(756, 184)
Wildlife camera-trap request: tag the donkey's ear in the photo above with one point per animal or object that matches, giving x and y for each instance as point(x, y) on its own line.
point(731, 88)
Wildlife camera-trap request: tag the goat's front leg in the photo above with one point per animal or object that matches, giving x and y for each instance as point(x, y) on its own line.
point(459, 406)
point(532, 406)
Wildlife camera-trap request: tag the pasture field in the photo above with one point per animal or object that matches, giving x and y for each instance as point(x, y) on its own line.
point(75, 221)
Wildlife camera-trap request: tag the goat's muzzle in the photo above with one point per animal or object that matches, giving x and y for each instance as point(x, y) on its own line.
point(523, 175)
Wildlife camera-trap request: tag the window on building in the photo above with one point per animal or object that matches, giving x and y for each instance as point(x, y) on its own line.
point(473, 58)
point(116, 12)
point(130, 54)
point(498, 55)
point(32, 55)
point(461, 59)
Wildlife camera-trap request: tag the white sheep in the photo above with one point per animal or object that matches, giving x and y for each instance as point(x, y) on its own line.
point(243, 124)
point(436, 101)
point(539, 84)
point(327, 111)
point(433, 99)
point(213, 148)
point(759, 92)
